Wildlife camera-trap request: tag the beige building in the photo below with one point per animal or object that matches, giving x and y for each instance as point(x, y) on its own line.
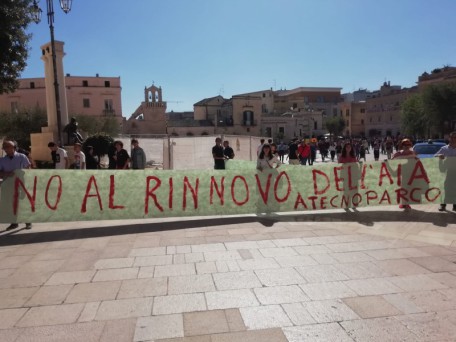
point(383, 110)
point(354, 115)
point(93, 96)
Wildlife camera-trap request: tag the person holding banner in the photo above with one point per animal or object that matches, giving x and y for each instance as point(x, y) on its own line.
point(405, 152)
point(267, 160)
point(8, 164)
point(348, 154)
point(121, 156)
point(450, 167)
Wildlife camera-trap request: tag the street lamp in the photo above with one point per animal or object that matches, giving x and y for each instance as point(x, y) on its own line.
point(36, 12)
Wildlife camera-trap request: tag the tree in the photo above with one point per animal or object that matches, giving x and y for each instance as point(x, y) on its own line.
point(19, 126)
point(414, 120)
point(335, 125)
point(95, 125)
point(439, 102)
point(102, 144)
point(14, 20)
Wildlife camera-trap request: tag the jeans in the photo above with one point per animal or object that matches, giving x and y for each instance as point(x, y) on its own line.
point(303, 161)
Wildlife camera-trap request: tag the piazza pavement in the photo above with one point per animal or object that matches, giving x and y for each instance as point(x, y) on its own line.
point(374, 274)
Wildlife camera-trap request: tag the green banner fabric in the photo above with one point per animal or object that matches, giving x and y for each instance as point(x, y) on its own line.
point(76, 195)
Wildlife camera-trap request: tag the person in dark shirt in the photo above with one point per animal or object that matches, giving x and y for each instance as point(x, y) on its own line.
point(121, 157)
point(228, 151)
point(292, 155)
point(217, 153)
point(91, 159)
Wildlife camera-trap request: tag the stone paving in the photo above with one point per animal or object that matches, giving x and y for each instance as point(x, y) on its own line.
point(378, 274)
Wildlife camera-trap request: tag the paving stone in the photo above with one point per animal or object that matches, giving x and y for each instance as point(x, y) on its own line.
point(51, 315)
point(317, 333)
point(378, 329)
point(171, 250)
point(89, 312)
point(190, 284)
point(183, 249)
point(136, 288)
point(298, 314)
point(9, 317)
point(116, 274)
point(347, 257)
point(117, 251)
point(15, 298)
point(241, 245)
point(135, 252)
point(194, 257)
point(230, 299)
point(435, 264)
point(362, 270)
point(124, 308)
point(437, 250)
point(416, 282)
point(49, 295)
point(396, 253)
point(371, 306)
point(212, 247)
point(282, 276)
point(321, 273)
point(174, 270)
point(278, 252)
point(401, 267)
point(324, 259)
point(236, 280)
point(159, 327)
point(327, 290)
point(205, 267)
point(326, 311)
point(80, 261)
point(205, 322)
point(264, 335)
point(262, 317)
point(5, 273)
point(298, 260)
point(429, 326)
point(11, 335)
point(280, 294)
point(146, 272)
point(93, 292)
point(372, 287)
point(445, 278)
point(289, 242)
point(171, 304)
point(245, 254)
point(14, 261)
point(257, 264)
point(114, 263)
point(308, 250)
point(153, 260)
point(119, 330)
point(54, 254)
point(234, 319)
point(222, 256)
point(402, 303)
point(87, 332)
point(63, 278)
point(179, 259)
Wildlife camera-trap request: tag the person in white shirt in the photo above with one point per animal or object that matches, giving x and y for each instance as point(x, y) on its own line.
point(450, 184)
point(59, 156)
point(79, 157)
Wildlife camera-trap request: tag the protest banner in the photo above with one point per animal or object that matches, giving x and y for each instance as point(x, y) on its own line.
point(76, 195)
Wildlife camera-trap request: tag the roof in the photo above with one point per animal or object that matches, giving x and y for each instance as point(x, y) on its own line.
point(306, 89)
point(208, 100)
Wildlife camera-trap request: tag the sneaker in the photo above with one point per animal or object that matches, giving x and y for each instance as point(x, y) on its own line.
point(28, 226)
point(401, 206)
point(12, 226)
point(443, 207)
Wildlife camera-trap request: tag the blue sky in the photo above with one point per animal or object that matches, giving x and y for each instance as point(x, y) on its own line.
point(195, 49)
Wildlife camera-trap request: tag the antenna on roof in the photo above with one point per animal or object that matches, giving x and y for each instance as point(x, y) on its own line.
point(221, 90)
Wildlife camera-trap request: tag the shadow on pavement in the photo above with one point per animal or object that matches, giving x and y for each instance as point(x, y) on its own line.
point(365, 218)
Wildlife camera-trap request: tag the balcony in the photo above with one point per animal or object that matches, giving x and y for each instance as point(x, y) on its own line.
point(249, 123)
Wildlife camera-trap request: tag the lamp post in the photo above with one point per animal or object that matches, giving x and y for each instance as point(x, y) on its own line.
point(65, 5)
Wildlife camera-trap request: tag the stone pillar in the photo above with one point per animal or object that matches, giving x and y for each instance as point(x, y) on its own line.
point(49, 82)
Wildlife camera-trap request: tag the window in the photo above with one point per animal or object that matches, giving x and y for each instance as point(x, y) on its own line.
point(248, 118)
point(347, 112)
point(295, 105)
point(14, 107)
point(86, 103)
point(379, 118)
point(32, 85)
point(362, 122)
point(264, 95)
point(363, 110)
point(315, 125)
point(264, 108)
point(268, 132)
point(282, 130)
point(107, 84)
point(348, 123)
point(85, 83)
point(108, 104)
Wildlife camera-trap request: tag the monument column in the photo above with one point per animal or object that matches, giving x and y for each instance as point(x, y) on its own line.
point(51, 108)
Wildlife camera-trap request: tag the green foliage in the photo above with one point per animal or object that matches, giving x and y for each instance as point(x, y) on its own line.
point(19, 126)
point(14, 20)
point(101, 144)
point(414, 120)
point(335, 125)
point(98, 125)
